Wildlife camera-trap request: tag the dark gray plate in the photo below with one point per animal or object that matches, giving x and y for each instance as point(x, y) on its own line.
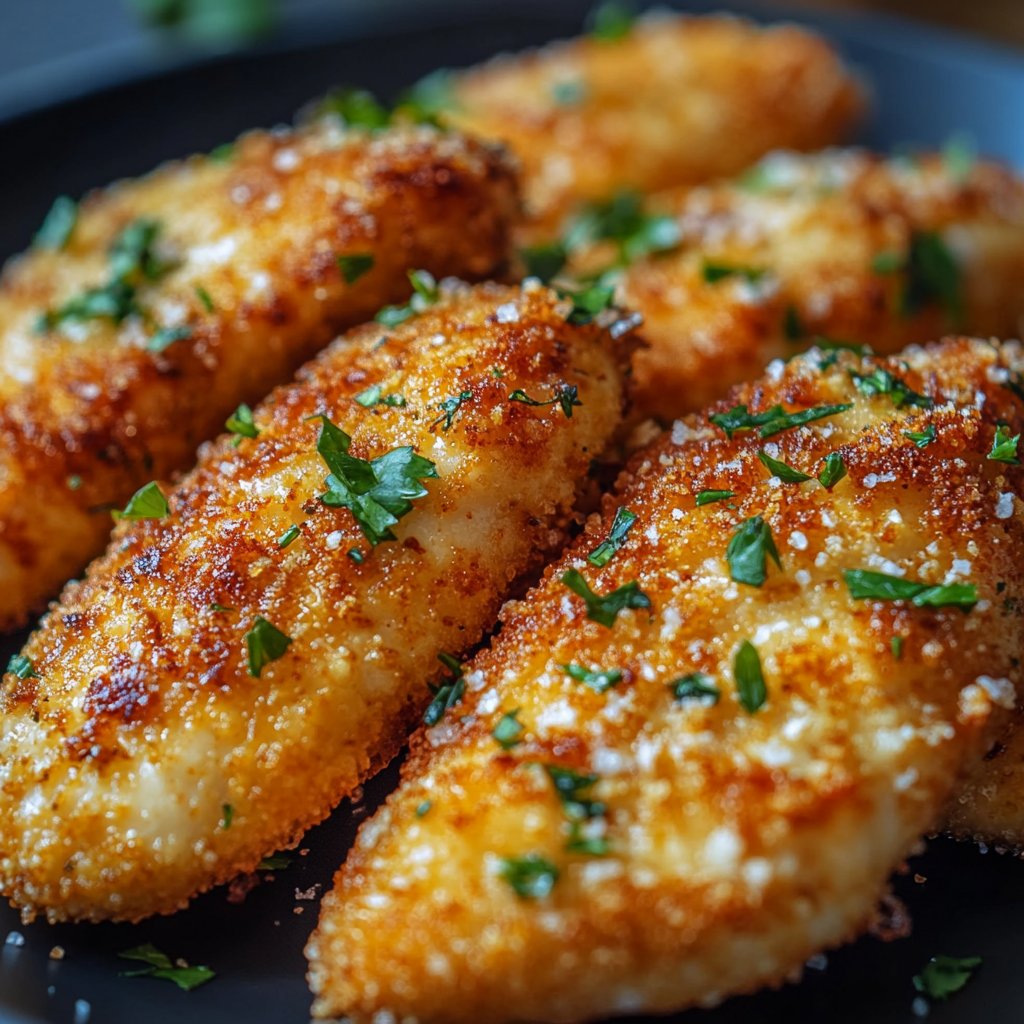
point(928, 86)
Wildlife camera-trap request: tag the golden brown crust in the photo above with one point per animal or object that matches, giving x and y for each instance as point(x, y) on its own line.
point(739, 843)
point(679, 101)
point(260, 233)
point(116, 762)
point(812, 227)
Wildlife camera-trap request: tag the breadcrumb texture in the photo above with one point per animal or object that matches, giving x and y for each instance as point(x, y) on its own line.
point(739, 844)
point(812, 228)
point(117, 762)
point(88, 414)
point(679, 100)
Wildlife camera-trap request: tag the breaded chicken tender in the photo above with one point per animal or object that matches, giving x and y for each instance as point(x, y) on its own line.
point(695, 752)
point(131, 332)
point(842, 246)
point(239, 661)
point(676, 101)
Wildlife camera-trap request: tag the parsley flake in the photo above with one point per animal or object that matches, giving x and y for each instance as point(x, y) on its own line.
point(275, 862)
point(291, 534)
point(566, 395)
point(423, 808)
point(508, 733)
point(22, 667)
point(864, 584)
point(1004, 447)
point(58, 224)
point(448, 693)
point(568, 92)
point(623, 221)
point(148, 502)
point(787, 474)
point(707, 497)
point(432, 96)
point(896, 646)
point(621, 524)
point(426, 292)
point(240, 422)
point(543, 261)
point(588, 302)
point(748, 551)
point(357, 108)
point(921, 438)
point(604, 609)
point(772, 421)
point(834, 471)
point(882, 382)
point(749, 678)
point(378, 492)
point(611, 21)
point(204, 297)
point(532, 876)
point(944, 975)
point(599, 680)
point(354, 265)
point(264, 643)
point(792, 325)
point(959, 155)
point(713, 272)
point(933, 275)
point(160, 966)
point(374, 395)
point(450, 406)
point(695, 686)
point(167, 336)
point(571, 788)
point(227, 816)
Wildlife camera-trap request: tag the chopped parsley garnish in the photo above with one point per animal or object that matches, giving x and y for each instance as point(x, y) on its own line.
point(543, 261)
point(378, 492)
point(219, 607)
point(356, 555)
point(834, 471)
point(792, 325)
point(566, 395)
point(148, 502)
point(624, 221)
point(55, 231)
point(264, 643)
point(921, 438)
point(772, 421)
point(944, 975)
point(74, 482)
point(713, 272)
point(292, 533)
point(571, 788)
point(887, 262)
point(621, 524)
point(22, 667)
point(227, 816)
point(450, 406)
point(932, 276)
point(707, 497)
point(597, 679)
point(358, 108)
point(787, 474)
point(1004, 447)
point(588, 302)
point(531, 876)
point(204, 297)
point(425, 293)
point(374, 395)
point(863, 584)
point(167, 336)
point(275, 862)
point(882, 382)
point(447, 693)
point(568, 92)
point(508, 733)
point(160, 966)
point(749, 677)
point(896, 646)
point(605, 608)
point(423, 808)
point(223, 153)
point(611, 21)
point(959, 155)
point(432, 96)
point(240, 422)
point(748, 551)
point(354, 265)
point(695, 686)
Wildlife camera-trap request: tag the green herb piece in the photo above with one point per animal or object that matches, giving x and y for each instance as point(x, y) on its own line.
point(219, 607)
point(571, 788)
point(792, 326)
point(887, 262)
point(167, 336)
point(707, 497)
point(863, 584)
point(291, 534)
point(74, 482)
point(58, 224)
point(1004, 447)
point(748, 551)
point(354, 265)
point(22, 667)
point(374, 395)
point(423, 808)
point(223, 153)
point(834, 471)
point(543, 261)
point(944, 975)
point(921, 438)
point(749, 677)
point(787, 474)
point(377, 492)
point(713, 272)
point(621, 524)
point(932, 276)
point(695, 686)
point(604, 609)
point(772, 421)
point(356, 555)
point(568, 92)
point(882, 382)
point(358, 108)
point(566, 395)
point(594, 846)
point(133, 256)
point(597, 679)
point(448, 692)
point(265, 643)
point(623, 220)
point(275, 862)
point(425, 293)
point(430, 98)
point(160, 966)
point(148, 502)
point(896, 646)
point(508, 733)
point(114, 301)
point(588, 302)
point(532, 876)
point(227, 816)
point(204, 297)
point(611, 21)
point(240, 422)
point(959, 155)
point(450, 406)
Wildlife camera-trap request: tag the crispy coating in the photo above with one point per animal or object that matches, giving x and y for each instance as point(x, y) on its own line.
point(678, 101)
point(738, 843)
point(88, 414)
point(117, 762)
point(818, 231)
